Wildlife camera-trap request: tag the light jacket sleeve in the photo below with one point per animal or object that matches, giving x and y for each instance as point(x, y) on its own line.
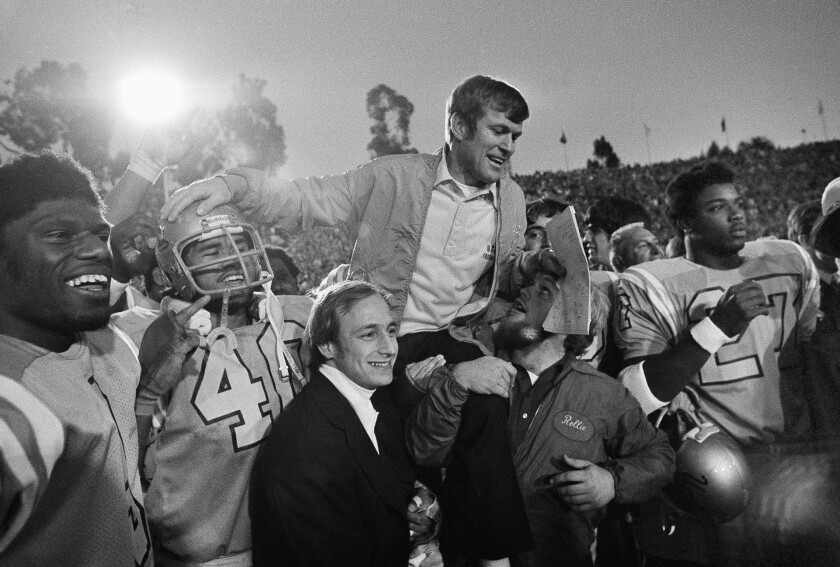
point(300, 204)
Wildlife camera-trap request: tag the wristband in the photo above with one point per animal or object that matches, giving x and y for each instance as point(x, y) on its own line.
point(709, 336)
point(634, 379)
point(145, 166)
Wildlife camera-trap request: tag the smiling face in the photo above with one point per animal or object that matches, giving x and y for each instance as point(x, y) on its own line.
point(224, 274)
point(718, 227)
point(366, 346)
point(596, 242)
point(480, 155)
point(55, 272)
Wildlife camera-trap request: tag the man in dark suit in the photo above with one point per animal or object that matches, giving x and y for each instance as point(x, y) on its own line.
point(332, 483)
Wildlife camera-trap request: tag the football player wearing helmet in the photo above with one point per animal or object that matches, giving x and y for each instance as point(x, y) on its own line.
point(227, 393)
point(728, 320)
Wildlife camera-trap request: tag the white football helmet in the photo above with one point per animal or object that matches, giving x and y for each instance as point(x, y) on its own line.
point(224, 221)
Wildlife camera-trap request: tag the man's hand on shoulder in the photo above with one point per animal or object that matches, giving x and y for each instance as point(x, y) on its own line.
point(485, 375)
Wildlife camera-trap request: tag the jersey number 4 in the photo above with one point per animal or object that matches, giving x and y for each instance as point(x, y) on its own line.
point(226, 390)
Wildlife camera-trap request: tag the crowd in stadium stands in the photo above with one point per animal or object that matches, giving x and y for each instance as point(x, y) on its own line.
point(774, 181)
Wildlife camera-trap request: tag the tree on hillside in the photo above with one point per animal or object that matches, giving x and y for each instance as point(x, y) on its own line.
point(713, 151)
point(52, 107)
point(391, 113)
point(604, 155)
point(757, 143)
point(243, 133)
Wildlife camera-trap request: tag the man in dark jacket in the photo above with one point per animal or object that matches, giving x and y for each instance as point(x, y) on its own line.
point(332, 483)
point(580, 439)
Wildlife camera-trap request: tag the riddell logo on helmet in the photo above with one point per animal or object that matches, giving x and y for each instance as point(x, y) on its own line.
point(215, 221)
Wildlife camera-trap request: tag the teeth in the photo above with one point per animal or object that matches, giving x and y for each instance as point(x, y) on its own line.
point(88, 279)
point(380, 364)
point(234, 278)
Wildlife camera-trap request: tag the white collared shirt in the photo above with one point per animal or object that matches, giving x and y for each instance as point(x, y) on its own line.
point(358, 397)
point(456, 248)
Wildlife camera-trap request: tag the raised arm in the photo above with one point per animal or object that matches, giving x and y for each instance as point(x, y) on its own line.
point(295, 205)
point(158, 150)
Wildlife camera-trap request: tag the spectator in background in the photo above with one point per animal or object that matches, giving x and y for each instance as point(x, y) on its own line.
point(285, 271)
point(603, 218)
point(538, 213)
point(633, 244)
point(823, 352)
point(800, 223)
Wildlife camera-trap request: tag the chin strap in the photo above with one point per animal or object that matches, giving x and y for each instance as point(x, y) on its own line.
point(222, 331)
point(223, 316)
point(286, 364)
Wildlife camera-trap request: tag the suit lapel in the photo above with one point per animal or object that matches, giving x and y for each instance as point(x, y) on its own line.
point(339, 412)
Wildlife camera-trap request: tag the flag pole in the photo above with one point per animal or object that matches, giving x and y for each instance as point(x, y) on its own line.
point(723, 129)
point(821, 112)
point(563, 141)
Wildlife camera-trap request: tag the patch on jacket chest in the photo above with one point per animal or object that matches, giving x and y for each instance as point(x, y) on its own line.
point(573, 425)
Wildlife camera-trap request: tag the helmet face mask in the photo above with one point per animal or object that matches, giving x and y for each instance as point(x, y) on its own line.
point(236, 246)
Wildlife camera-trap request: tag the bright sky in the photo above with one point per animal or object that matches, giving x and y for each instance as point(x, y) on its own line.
point(589, 68)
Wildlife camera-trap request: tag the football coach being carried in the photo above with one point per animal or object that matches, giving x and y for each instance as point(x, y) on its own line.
point(442, 234)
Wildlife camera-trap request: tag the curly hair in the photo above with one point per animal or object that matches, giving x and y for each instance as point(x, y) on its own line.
point(31, 179)
point(610, 213)
point(683, 189)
